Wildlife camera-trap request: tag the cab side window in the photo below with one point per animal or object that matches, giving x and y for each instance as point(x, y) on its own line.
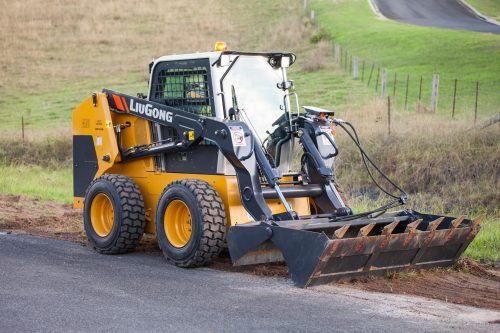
point(185, 85)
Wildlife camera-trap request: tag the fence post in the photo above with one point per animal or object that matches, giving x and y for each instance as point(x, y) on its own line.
point(454, 99)
point(376, 82)
point(383, 85)
point(370, 77)
point(345, 60)
point(475, 106)
point(337, 54)
point(420, 90)
point(355, 68)
point(435, 92)
point(406, 93)
point(395, 85)
point(305, 4)
point(389, 114)
point(363, 71)
point(350, 64)
point(311, 15)
point(22, 127)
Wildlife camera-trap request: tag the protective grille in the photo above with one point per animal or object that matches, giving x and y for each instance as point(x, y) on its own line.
point(185, 88)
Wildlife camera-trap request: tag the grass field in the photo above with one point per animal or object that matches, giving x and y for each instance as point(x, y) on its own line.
point(419, 52)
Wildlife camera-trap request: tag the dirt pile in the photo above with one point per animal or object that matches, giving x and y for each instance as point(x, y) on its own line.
point(466, 283)
point(42, 218)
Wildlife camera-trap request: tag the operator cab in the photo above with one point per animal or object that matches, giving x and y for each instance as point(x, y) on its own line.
point(228, 85)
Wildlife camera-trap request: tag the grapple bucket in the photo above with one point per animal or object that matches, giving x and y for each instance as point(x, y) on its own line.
point(318, 250)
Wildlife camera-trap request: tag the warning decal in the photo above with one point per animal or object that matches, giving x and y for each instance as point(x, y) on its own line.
point(238, 136)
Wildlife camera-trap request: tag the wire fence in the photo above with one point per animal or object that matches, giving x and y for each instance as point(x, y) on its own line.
point(455, 97)
point(463, 98)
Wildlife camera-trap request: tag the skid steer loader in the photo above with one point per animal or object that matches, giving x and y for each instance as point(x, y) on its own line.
point(218, 152)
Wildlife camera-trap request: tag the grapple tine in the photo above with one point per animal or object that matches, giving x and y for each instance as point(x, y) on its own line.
point(456, 222)
point(340, 233)
point(388, 229)
point(322, 251)
point(363, 232)
point(412, 227)
point(477, 220)
point(433, 225)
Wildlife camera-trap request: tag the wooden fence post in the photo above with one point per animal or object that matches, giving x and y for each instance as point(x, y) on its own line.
point(22, 127)
point(337, 53)
point(345, 60)
point(454, 99)
point(383, 85)
point(371, 73)
point(312, 15)
point(395, 85)
point(363, 71)
point(435, 92)
point(305, 4)
point(389, 114)
point(376, 82)
point(355, 68)
point(475, 106)
point(406, 93)
point(420, 90)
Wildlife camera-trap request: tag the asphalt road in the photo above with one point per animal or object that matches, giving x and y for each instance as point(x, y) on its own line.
point(56, 286)
point(435, 13)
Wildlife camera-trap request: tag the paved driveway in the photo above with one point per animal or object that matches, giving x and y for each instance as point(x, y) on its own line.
point(56, 286)
point(435, 13)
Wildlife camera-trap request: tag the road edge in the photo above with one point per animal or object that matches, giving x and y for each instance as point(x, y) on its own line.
point(376, 10)
point(476, 12)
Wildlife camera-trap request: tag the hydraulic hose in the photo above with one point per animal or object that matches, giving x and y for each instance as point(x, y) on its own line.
point(367, 161)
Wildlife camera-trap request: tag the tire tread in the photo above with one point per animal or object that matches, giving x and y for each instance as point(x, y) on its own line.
point(133, 215)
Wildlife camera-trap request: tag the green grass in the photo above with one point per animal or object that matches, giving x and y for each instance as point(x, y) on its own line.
point(418, 51)
point(489, 8)
point(38, 182)
point(329, 88)
point(50, 110)
point(486, 245)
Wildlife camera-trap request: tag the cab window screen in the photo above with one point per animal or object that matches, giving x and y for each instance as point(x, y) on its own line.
point(185, 88)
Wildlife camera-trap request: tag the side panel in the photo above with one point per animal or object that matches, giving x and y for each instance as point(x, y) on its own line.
point(84, 163)
point(92, 130)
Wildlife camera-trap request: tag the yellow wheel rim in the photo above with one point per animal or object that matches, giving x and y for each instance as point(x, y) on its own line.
point(177, 223)
point(102, 215)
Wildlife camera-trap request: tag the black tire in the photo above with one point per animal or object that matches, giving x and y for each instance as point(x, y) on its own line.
point(208, 223)
point(128, 214)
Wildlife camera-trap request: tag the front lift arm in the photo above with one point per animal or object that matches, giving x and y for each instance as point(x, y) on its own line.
point(233, 138)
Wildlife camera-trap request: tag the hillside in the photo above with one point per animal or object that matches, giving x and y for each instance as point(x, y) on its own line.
point(418, 53)
point(53, 55)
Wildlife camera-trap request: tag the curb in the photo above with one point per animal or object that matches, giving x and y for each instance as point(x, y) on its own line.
point(476, 13)
point(375, 9)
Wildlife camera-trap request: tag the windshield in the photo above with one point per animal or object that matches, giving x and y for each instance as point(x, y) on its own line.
point(254, 82)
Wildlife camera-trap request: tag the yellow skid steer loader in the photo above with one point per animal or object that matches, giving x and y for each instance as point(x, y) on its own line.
point(214, 154)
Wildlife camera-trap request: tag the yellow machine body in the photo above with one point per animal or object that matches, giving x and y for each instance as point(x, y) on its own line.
point(98, 122)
